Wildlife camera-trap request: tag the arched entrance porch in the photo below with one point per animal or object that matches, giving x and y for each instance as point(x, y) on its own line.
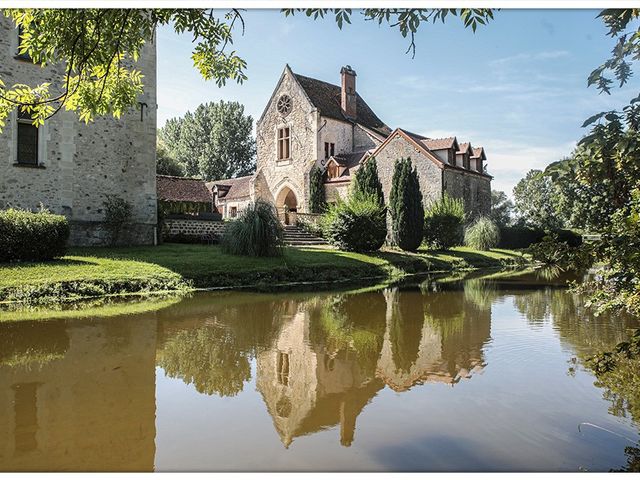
point(287, 205)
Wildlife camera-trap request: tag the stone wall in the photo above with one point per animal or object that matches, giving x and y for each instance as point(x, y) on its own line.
point(192, 228)
point(429, 174)
point(473, 188)
point(336, 132)
point(336, 190)
point(81, 164)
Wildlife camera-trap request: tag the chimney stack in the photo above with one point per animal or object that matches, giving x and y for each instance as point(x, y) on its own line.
point(348, 97)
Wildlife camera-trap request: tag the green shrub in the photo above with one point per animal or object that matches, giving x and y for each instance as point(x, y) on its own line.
point(317, 199)
point(553, 251)
point(405, 205)
point(314, 227)
point(256, 233)
point(367, 182)
point(358, 225)
point(519, 236)
point(117, 215)
point(28, 236)
point(482, 234)
point(444, 223)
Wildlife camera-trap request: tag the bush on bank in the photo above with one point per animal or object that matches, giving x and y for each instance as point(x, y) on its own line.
point(256, 233)
point(357, 225)
point(29, 236)
point(444, 223)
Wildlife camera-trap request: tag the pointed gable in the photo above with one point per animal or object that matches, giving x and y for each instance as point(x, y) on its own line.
point(326, 98)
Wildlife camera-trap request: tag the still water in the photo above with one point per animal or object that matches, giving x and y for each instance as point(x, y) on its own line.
point(471, 375)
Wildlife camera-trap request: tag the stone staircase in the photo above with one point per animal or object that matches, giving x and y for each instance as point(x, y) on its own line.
point(296, 237)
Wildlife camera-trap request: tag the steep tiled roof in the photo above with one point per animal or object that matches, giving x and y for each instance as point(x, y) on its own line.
point(440, 143)
point(326, 98)
point(349, 159)
point(180, 189)
point(350, 162)
point(232, 188)
point(478, 151)
point(463, 147)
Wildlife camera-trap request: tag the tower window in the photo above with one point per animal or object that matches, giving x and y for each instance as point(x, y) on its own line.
point(284, 143)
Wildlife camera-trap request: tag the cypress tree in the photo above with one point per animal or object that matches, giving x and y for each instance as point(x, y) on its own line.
point(405, 202)
point(317, 200)
point(367, 181)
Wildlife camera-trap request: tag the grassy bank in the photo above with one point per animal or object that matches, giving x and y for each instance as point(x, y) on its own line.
point(94, 272)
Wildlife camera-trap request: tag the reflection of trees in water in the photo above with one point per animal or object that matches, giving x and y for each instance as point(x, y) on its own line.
point(463, 320)
point(210, 345)
point(209, 358)
point(575, 323)
point(33, 343)
point(406, 327)
point(633, 459)
point(354, 322)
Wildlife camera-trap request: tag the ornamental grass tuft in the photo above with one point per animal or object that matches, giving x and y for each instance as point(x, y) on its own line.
point(256, 233)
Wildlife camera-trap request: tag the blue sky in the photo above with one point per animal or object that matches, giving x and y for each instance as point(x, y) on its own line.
point(516, 87)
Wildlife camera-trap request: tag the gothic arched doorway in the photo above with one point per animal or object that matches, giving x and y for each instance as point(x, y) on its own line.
point(287, 205)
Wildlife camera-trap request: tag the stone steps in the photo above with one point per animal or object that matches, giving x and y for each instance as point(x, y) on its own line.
point(296, 237)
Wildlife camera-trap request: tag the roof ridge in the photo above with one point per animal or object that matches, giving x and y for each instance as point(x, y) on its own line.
point(179, 177)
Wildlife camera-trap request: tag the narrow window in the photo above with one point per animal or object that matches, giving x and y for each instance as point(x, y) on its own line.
point(25, 405)
point(233, 212)
point(329, 150)
point(25, 55)
point(284, 144)
point(283, 368)
point(27, 140)
point(332, 170)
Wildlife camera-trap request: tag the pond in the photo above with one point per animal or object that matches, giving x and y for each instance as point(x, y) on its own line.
point(432, 375)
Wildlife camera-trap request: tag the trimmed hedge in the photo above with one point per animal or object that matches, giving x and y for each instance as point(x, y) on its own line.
point(28, 236)
point(570, 237)
point(519, 237)
point(523, 237)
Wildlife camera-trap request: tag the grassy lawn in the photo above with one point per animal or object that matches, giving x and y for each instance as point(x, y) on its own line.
point(91, 272)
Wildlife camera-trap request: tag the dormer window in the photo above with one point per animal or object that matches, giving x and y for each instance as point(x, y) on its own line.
point(332, 170)
point(284, 143)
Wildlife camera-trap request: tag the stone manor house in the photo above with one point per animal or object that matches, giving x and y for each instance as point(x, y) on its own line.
point(71, 167)
point(309, 122)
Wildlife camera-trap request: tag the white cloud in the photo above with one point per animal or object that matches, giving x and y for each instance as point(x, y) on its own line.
point(508, 161)
point(546, 55)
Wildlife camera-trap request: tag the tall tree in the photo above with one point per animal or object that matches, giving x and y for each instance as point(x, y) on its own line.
point(534, 201)
point(213, 142)
point(407, 211)
point(100, 47)
point(367, 181)
point(166, 163)
point(317, 200)
point(501, 208)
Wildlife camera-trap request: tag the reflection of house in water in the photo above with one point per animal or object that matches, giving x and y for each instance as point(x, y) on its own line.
point(309, 386)
point(435, 337)
point(306, 388)
point(62, 401)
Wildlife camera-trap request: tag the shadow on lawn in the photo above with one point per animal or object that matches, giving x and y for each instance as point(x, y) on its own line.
point(62, 262)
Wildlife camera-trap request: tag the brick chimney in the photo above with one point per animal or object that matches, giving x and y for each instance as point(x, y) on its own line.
point(348, 97)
